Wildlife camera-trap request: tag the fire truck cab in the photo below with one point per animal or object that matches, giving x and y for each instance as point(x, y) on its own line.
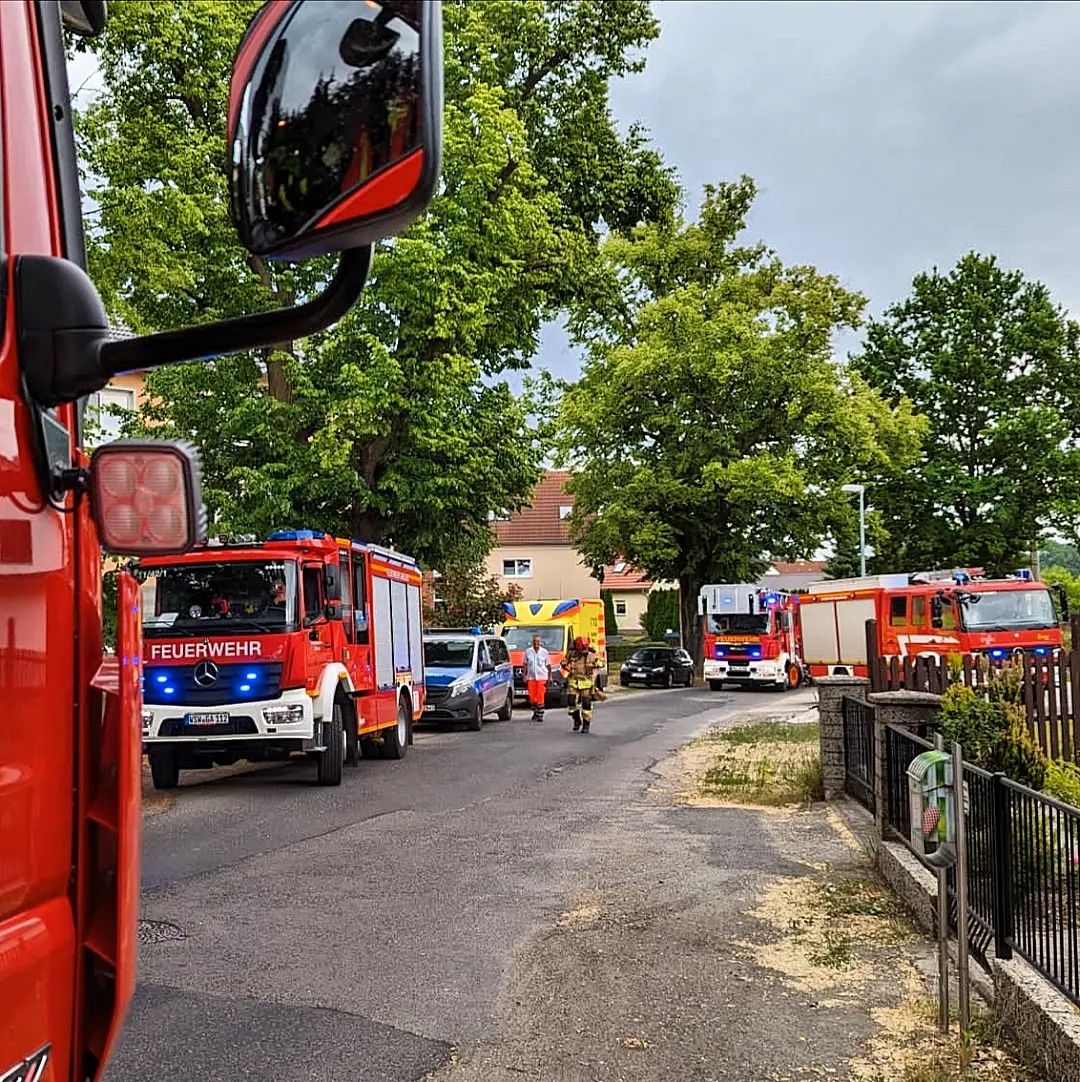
point(301, 643)
point(750, 636)
point(932, 612)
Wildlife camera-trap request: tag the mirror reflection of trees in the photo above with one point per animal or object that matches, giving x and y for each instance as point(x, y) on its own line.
point(304, 159)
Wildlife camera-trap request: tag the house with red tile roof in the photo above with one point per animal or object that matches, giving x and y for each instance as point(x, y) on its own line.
point(533, 550)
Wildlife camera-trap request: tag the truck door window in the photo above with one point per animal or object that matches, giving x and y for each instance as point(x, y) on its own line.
point(346, 595)
point(918, 611)
point(898, 611)
point(313, 593)
point(360, 616)
point(948, 615)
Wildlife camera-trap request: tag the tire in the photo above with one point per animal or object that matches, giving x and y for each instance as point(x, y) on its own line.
point(507, 712)
point(164, 767)
point(476, 722)
point(669, 680)
point(396, 740)
point(329, 762)
point(624, 683)
point(794, 678)
point(716, 685)
point(689, 679)
point(352, 737)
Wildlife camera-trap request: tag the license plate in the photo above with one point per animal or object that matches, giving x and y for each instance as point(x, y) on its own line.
point(196, 721)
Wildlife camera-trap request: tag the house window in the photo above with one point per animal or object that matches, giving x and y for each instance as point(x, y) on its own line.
point(103, 417)
point(517, 569)
point(620, 608)
point(565, 510)
point(620, 567)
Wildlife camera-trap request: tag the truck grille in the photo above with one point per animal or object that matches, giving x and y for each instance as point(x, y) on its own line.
point(247, 682)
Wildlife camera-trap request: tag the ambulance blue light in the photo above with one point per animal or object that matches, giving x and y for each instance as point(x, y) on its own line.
point(296, 535)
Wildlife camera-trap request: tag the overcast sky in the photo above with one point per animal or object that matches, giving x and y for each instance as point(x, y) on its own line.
point(885, 138)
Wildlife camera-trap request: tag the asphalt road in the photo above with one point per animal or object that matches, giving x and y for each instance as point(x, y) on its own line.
point(367, 932)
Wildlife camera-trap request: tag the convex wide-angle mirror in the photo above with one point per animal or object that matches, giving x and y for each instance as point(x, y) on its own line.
point(335, 118)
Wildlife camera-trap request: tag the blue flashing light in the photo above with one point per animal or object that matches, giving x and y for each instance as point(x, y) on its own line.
point(1040, 650)
point(721, 651)
point(162, 679)
point(755, 653)
point(296, 535)
point(998, 653)
point(727, 600)
point(772, 599)
point(170, 691)
point(251, 676)
point(245, 687)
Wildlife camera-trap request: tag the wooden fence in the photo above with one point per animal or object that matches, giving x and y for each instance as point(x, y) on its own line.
point(1048, 684)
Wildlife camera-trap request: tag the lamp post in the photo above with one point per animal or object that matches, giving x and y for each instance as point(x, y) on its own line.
point(861, 490)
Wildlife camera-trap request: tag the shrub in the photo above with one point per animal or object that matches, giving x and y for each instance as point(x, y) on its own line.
point(1062, 782)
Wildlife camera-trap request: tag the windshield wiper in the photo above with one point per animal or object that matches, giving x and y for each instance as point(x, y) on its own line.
point(169, 629)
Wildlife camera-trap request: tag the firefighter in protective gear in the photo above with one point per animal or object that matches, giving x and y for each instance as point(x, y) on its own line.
point(580, 668)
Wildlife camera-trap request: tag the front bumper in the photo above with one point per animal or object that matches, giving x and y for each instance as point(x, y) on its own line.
point(249, 722)
point(744, 672)
point(458, 707)
point(556, 688)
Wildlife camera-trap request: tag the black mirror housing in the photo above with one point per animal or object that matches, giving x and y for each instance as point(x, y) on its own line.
point(332, 610)
point(335, 123)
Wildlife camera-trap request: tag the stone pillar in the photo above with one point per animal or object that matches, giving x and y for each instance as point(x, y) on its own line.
point(904, 709)
point(831, 691)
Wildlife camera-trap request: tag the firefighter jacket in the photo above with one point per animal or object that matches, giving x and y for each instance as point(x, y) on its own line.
point(580, 667)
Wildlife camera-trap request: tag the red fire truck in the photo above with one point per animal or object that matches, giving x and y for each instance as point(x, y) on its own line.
point(938, 612)
point(301, 643)
point(750, 637)
point(69, 739)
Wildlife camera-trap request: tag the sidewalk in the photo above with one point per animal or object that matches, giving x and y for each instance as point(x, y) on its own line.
point(709, 943)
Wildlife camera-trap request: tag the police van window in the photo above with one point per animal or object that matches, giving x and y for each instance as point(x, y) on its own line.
point(898, 611)
point(482, 655)
point(499, 654)
point(346, 594)
point(918, 611)
point(313, 593)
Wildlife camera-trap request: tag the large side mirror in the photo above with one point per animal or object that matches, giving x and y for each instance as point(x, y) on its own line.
point(332, 581)
point(146, 497)
point(335, 123)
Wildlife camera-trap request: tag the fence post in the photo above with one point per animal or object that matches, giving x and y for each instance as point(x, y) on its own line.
point(830, 693)
point(1002, 867)
point(873, 662)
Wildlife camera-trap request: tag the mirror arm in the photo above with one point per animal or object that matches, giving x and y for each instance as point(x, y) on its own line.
point(246, 332)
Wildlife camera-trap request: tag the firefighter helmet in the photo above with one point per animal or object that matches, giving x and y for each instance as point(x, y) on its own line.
point(581, 642)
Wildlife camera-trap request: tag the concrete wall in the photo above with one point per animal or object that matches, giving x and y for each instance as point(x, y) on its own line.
point(637, 601)
point(557, 571)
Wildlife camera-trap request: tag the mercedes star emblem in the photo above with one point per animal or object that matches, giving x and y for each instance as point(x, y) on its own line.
point(206, 673)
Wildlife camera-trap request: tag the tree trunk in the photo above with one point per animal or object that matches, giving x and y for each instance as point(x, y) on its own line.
point(689, 588)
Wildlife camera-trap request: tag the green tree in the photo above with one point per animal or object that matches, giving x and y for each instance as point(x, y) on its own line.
point(1059, 554)
point(469, 597)
point(398, 424)
point(661, 613)
point(611, 623)
point(994, 365)
point(844, 562)
point(711, 426)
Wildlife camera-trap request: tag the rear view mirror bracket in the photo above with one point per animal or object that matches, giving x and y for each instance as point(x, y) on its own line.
point(66, 351)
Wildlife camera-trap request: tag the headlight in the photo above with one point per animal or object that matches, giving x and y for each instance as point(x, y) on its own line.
point(658, 668)
point(283, 715)
point(461, 684)
point(147, 719)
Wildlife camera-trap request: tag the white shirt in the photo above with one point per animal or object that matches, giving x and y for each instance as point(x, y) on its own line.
point(537, 663)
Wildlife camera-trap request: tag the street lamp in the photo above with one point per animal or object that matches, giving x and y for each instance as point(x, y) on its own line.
point(861, 490)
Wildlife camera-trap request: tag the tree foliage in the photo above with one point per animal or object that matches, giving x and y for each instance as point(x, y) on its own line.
point(711, 429)
point(611, 622)
point(994, 366)
point(397, 425)
point(1059, 554)
point(469, 597)
point(661, 614)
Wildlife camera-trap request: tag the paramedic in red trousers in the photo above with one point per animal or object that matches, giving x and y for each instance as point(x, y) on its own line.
point(537, 671)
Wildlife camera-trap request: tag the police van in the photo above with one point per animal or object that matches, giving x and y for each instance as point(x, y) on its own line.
point(467, 677)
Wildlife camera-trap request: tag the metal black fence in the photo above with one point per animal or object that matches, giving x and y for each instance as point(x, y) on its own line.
point(1023, 858)
point(860, 750)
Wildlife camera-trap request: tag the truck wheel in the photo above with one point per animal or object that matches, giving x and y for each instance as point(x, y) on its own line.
point(794, 677)
point(507, 712)
point(329, 762)
point(396, 740)
point(716, 685)
point(164, 767)
point(476, 721)
point(352, 736)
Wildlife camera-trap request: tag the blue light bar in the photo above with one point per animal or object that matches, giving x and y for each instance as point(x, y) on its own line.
point(251, 676)
point(245, 687)
point(170, 691)
point(162, 679)
point(998, 653)
point(1040, 650)
point(296, 535)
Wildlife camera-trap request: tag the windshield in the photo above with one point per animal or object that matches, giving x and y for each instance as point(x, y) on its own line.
point(219, 599)
point(449, 653)
point(1007, 608)
point(520, 638)
point(740, 622)
point(650, 657)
